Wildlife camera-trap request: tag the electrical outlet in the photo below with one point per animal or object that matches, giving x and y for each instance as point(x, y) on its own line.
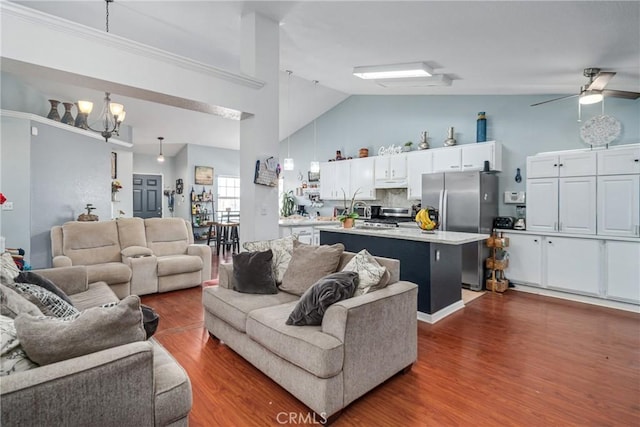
point(8, 206)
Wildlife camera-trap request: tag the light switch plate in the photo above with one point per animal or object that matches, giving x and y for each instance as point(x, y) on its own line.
point(7, 206)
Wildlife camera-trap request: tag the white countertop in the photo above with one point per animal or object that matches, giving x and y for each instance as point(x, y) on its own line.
point(306, 222)
point(406, 233)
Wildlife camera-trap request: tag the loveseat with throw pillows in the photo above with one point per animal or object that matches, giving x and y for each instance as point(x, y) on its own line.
point(73, 354)
point(325, 324)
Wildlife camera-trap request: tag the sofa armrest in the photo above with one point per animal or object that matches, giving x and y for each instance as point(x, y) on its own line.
point(61, 261)
point(88, 390)
point(204, 252)
point(225, 276)
point(71, 280)
point(135, 252)
point(380, 335)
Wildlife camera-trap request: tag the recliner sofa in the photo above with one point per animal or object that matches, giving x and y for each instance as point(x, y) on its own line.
point(134, 255)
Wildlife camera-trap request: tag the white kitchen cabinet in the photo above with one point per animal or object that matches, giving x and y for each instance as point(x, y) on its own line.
point(391, 171)
point(573, 264)
point(562, 204)
point(619, 161)
point(525, 259)
point(418, 163)
point(542, 204)
point(474, 156)
point(622, 264)
point(577, 205)
point(619, 205)
point(562, 165)
point(334, 178)
point(362, 178)
point(447, 159)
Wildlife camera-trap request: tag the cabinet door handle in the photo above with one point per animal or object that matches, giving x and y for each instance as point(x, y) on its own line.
point(637, 160)
point(561, 164)
point(453, 167)
point(467, 166)
point(555, 165)
point(437, 255)
point(555, 226)
point(560, 227)
point(535, 240)
point(550, 242)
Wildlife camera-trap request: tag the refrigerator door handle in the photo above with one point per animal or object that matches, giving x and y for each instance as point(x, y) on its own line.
point(444, 195)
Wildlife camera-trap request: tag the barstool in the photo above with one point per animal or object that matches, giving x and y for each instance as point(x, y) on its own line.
point(227, 237)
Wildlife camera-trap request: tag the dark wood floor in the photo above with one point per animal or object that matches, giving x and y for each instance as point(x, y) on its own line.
point(512, 359)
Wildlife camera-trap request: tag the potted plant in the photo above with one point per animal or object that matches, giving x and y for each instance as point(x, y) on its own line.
point(349, 215)
point(407, 146)
point(288, 204)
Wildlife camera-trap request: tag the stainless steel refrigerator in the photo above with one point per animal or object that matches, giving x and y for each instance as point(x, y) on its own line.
point(467, 202)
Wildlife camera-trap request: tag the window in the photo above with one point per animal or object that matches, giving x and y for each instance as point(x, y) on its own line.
point(228, 193)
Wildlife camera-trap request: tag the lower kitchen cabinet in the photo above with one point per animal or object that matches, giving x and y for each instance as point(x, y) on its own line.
point(573, 264)
point(306, 234)
point(608, 269)
point(623, 271)
point(525, 259)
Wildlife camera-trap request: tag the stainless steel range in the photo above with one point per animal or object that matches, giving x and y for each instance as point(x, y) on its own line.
point(390, 217)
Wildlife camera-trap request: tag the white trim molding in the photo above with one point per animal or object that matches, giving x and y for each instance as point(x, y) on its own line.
point(441, 314)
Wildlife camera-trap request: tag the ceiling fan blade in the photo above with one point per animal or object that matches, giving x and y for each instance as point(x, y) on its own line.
point(621, 94)
point(555, 99)
point(601, 80)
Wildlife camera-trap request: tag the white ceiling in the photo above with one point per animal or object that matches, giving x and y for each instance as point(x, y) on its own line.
point(498, 47)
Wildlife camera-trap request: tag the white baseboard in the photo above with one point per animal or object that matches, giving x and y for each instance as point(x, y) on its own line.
point(440, 314)
point(578, 298)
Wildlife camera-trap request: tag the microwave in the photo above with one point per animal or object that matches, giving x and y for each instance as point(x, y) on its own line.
point(364, 212)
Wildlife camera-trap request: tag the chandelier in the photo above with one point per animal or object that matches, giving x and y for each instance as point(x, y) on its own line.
point(112, 114)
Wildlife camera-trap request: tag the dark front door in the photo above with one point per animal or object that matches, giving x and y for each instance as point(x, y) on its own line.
point(147, 196)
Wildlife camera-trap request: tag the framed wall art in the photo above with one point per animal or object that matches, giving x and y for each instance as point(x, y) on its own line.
point(204, 175)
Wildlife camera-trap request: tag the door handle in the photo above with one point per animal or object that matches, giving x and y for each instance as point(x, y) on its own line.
point(437, 254)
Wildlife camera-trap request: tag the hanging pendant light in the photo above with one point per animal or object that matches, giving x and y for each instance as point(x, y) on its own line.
point(160, 157)
point(288, 161)
point(314, 167)
point(112, 114)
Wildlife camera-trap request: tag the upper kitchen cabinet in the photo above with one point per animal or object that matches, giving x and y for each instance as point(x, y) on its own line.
point(362, 178)
point(468, 157)
point(619, 205)
point(391, 171)
point(447, 159)
point(334, 178)
point(581, 163)
point(619, 161)
point(562, 204)
point(417, 163)
point(474, 156)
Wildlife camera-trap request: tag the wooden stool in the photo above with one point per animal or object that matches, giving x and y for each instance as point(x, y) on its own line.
point(227, 237)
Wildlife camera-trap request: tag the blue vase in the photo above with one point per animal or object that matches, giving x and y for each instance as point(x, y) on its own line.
point(481, 128)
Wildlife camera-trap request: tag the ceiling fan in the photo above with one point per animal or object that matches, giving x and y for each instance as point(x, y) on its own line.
point(595, 89)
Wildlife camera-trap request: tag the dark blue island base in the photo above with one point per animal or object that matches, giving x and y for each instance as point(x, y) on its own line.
point(435, 267)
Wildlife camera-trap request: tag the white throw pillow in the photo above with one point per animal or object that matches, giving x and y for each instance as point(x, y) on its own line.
point(8, 268)
point(368, 269)
point(282, 250)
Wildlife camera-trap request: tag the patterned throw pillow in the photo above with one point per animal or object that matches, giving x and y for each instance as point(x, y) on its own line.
point(12, 357)
point(282, 250)
point(12, 303)
point(368, 269)
point(8, 268)
point(49, 303)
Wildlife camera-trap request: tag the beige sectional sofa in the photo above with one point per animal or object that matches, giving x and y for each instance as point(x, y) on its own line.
point(134, 255)
point(362, 341)
point(136, 384)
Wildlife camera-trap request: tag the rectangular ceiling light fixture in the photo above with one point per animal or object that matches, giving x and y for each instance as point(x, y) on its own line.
point(435, 80)
point(393, 71)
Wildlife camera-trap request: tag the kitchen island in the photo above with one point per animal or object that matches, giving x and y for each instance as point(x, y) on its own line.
point(431, 260)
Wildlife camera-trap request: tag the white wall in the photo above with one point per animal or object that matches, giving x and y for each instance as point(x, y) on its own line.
point(375, 121)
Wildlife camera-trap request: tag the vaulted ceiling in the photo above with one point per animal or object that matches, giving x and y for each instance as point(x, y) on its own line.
point(486, 47)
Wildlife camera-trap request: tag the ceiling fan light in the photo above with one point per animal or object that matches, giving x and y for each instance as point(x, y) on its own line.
point(590, 97)
point(393, 71)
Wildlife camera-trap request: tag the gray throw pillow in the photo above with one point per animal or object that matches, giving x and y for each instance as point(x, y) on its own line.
point(326, 291)
point(36, 279)
point(49, 339)
point(253, 273)
point(309, 264)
